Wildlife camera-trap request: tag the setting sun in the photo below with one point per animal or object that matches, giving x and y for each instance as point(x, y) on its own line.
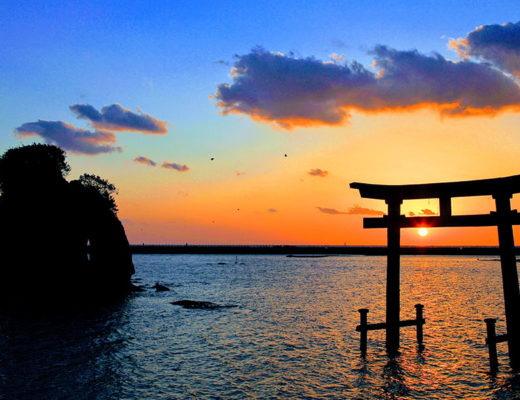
point(423, 232)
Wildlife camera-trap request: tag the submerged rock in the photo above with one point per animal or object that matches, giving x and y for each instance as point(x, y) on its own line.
point(136, 288)
point(200, 304)
point(160, 288)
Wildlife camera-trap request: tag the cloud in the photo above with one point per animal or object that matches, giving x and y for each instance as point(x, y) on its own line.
point(356, 210)
point(145, 160)
point(273, 210)
point(427, 212)
point(116, 118)
point(332, 211)
point(318, 172)
point(290, 91)
point(411, 214)
point(68, 137)
point(338, 57)
point(497, 44)
point(175, 166)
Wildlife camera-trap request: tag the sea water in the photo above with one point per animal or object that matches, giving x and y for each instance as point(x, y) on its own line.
point(291, 335)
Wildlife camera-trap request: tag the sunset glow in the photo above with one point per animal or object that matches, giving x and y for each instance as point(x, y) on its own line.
point(423, 232)
point(273, 118)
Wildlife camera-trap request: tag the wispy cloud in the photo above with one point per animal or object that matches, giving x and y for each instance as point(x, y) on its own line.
point(331, 211)
point(292, 91)
point(273, 210)
point(116, 118)
point(175, 166)
point(70, 138)
point(427, 211)
point(498, 44)
point(222, 62)
point(356, 210)
point(145, 161)
point(318, 172)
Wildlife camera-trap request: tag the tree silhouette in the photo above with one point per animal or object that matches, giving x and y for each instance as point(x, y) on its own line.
point(99, 186)
point(32, 165)
point(47, 224)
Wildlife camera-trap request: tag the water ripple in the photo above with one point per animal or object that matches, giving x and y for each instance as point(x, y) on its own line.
point(292, 336)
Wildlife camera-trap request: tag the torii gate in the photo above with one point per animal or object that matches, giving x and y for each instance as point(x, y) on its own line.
point(501, 189)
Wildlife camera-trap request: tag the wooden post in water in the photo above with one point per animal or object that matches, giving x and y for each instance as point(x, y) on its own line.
point(419, 318)
point(509, 276)
point(492, 343)
point(392, 276)
point(363, 322)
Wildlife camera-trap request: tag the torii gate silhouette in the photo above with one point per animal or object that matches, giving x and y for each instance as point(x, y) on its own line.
point(501, 189)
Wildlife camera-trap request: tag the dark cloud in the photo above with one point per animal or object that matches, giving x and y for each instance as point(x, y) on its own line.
point(222, 62)
point(356, 210)
point(498, 44)
point(145, 160)
point(116, 118)
point(70, 138)
point(318, 172)
point(175, 166)
point(293, 91)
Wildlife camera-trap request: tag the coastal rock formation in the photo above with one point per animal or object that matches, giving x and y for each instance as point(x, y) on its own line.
point(160, 288)
point(47, 226)
point(205, 305)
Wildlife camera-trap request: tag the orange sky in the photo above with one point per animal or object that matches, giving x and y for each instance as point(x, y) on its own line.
point(252, 194)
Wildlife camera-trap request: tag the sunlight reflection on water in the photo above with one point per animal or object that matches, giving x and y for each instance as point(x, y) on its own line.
point(291, 336)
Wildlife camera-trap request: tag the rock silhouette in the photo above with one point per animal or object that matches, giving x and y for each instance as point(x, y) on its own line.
point(47, 226)
point(200, 304)
point(160, 288)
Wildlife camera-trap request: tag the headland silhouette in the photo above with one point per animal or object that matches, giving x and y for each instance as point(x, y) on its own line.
point(62, 243)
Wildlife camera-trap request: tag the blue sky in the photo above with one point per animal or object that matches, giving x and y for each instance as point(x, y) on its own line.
point(167, 59)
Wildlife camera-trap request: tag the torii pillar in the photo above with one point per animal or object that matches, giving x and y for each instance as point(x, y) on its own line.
point(509, 276)
point(393, 271)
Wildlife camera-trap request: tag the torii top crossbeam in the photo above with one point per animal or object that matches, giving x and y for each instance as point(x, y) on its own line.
point(497, 187)
point(481, 187)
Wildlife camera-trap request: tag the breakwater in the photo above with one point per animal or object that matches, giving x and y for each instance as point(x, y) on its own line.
point(330, 250)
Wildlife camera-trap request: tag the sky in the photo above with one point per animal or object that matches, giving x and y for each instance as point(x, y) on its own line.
point(241, 122)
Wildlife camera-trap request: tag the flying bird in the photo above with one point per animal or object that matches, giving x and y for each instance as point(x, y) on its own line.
point(285, 155)
point(212, 158)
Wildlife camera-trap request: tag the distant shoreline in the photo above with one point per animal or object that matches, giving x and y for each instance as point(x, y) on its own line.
point(331, 250)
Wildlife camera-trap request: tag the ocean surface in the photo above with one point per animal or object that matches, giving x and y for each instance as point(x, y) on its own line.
point(291, 335)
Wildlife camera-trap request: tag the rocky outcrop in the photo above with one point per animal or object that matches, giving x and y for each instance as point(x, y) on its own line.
point(47, 226)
